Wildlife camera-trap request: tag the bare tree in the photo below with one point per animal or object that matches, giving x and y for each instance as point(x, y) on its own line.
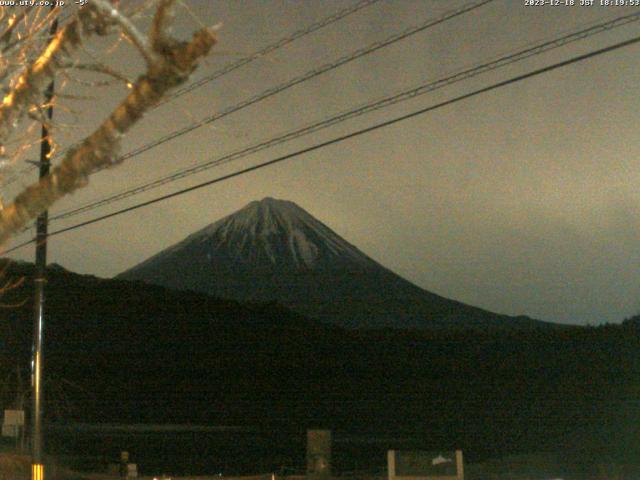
point(26, 71)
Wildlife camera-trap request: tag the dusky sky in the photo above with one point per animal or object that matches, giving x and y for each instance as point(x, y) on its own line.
point(523, 200)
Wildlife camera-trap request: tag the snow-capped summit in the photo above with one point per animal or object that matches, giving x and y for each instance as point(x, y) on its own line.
point(273, 250)
point(277, 232)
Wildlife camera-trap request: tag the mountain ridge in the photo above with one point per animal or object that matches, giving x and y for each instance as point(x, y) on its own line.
point(273, 250)
point(256, 217)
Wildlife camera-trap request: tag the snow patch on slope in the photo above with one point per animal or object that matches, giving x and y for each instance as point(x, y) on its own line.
point(276, 230)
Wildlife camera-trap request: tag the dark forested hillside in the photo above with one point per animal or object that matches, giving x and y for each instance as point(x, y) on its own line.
point(139, 353)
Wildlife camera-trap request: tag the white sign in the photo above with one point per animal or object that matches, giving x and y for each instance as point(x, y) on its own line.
point(14, 417)
point(422, 465)
point(132, 470)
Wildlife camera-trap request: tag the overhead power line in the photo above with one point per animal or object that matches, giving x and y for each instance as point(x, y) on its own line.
point(355, 112)
point(339, 15)
point(269, 49)
point(315, 72)
point(311, 74)
point(308, 76)
point(348, 136)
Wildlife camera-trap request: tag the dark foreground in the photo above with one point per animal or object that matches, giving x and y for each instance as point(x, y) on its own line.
point(125, 353)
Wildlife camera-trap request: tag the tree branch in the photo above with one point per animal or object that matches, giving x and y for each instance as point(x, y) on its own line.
point(172, 66)
point(37, 76)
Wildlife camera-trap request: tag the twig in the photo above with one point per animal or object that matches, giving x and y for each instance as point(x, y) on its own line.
point(99, 68)
point(13, 24)
point(159, 25)
point(128, 29)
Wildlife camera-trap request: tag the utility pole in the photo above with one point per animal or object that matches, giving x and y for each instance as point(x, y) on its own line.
point(37, 463)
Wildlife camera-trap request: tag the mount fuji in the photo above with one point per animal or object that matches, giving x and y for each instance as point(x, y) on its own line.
point(274, 251)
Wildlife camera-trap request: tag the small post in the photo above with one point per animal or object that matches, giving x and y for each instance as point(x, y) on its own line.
point(459, 464)
point(124, 464)
point(318, 454)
